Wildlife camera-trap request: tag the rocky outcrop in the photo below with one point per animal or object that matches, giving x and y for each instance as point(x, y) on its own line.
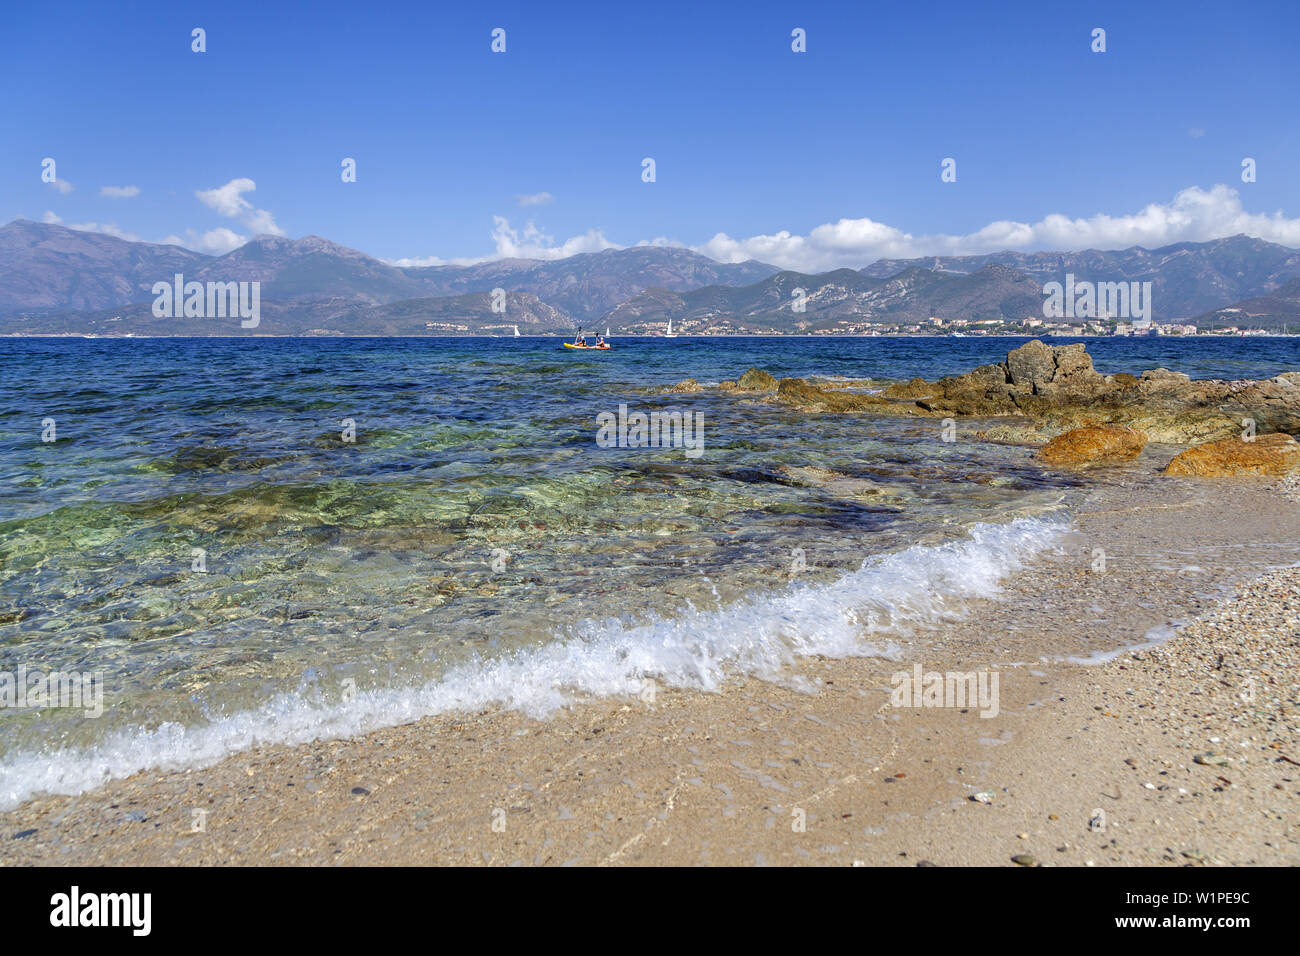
point(1093, 444)
point(1269, 455)
point(1057, 389)
point(1043, 391)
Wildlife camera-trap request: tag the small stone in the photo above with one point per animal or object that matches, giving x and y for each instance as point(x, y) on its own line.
point(360, 792)
point(1024, 859)
point(984, 796)
point(1211, 760)
point(23, 834)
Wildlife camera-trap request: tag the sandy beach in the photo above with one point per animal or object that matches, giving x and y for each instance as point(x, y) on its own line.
point(1114, 742)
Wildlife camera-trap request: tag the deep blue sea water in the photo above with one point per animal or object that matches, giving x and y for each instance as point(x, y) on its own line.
point(474, 545)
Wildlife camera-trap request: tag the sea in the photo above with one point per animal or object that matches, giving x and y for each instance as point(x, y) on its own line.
point(225, 543)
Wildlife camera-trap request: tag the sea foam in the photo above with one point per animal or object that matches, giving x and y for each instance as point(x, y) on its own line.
point(889, 596)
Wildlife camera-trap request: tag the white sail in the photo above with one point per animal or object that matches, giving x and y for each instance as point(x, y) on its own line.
point(669, 333)
point(607, 331)
point(516, 331)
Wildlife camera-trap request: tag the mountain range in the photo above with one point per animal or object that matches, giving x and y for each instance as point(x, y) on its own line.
point(831, 299)
point(58, 280)
point(1187, 278)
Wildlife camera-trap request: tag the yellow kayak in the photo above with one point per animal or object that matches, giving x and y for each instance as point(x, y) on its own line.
point(570, 345)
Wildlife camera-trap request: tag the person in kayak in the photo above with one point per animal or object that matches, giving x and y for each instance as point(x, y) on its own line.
point(600, 341)
point(580, 339)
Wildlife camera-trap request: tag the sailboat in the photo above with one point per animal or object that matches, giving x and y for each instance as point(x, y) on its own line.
point(670, 334)
point(516, 331)
point(607, 331)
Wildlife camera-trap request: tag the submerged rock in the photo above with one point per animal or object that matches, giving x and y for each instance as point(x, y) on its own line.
point(811, 398)
point(685, 385)
point(1274, 455)
point(837, 483)
point(756, 380)
point(1093, 444)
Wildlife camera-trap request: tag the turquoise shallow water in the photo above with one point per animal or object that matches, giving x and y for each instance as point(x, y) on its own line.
point(475, 515)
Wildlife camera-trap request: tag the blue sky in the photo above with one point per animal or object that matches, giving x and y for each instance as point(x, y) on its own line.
point(809, 160)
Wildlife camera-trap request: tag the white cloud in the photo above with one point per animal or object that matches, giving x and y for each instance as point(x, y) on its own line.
point(119, 192)
point(421, 262)
point(52, 217)
point(63, 186)
point(1194, 215)
point(532, 243)
point(537, 199)
point(228, 200)
point(216, 242)
point(527, 243)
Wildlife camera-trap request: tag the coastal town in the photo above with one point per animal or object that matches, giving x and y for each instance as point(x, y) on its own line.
point(959, 328)
point(1035, 326)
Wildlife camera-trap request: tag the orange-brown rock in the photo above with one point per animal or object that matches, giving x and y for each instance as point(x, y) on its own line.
point(916, 388)
point(1093, 444)
point(1274, 454)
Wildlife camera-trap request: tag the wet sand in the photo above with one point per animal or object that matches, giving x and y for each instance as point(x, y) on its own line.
point(1098, 763)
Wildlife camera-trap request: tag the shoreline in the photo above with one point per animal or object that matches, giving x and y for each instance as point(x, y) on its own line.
point(714, 778)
